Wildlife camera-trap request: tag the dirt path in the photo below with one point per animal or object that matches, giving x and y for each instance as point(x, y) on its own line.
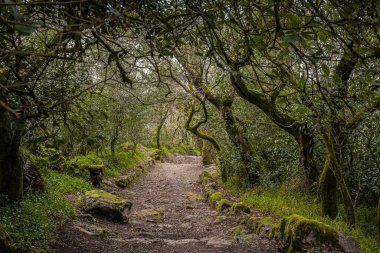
point(167, 216)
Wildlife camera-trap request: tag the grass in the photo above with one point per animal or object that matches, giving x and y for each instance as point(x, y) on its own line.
point(287, 199)
point(183, 150)
point(30, 224)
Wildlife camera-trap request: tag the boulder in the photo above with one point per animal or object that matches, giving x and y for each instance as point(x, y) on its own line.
point(105, 204)
point(123, 181)
point(239, 207)
point(299, 234)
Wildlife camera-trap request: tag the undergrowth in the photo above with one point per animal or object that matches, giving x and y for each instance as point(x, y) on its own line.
point(30, 224)
point(123, 160)
point(288, 199)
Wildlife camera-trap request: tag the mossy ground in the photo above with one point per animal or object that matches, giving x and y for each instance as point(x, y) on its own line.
point(30, 224)
point(289, 199)
point(193, 196)
point(107, 197)
point(295, 230)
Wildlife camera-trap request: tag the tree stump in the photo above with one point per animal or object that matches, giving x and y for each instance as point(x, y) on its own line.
point(96, 174)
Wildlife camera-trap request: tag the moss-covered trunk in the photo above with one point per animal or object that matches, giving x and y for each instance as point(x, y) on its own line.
point(251, 169)
point(306, 156)
point(114, 140)
point(328, 190)
point(378, 220)
point(11, 163)
point(159, 128)
point(335, 140)
point(208, 154)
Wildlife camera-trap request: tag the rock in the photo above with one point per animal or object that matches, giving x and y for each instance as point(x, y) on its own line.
point(222, 205)
point(239, 207)
point(217, 242)
point(220, 219)
point(299, 234)
point(214, 198)
point(123, 181)
point(107, 205)
point(259, 225)
point(91, 230)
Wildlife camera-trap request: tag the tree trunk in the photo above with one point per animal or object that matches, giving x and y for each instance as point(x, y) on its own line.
point(11, 162)
point(208, 154)
point(307, 162)
point(328, 190)
point(159, 128)
point(378, 220)
point(335, 142)
point(251, 170)
point(114, 140)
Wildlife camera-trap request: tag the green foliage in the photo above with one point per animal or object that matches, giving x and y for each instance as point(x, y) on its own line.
point(183, 150)
point(30, 224)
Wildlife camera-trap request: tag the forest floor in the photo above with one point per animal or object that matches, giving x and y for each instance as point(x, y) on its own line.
point(168, 215)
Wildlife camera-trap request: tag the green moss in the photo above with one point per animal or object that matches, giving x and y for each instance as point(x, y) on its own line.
point(205, 177)
point(220, 219)
point(257, 223)
point(193, 196)
point(300, 233)
point(123, 181)
point(106, 196)
point(328, 191)
point(239, 207)
point(97, 167)
point(238, 230)
point(156, 214)
point(215, 197)
point(223, 204)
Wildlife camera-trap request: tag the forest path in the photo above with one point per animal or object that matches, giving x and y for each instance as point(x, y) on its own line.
point(167, 216)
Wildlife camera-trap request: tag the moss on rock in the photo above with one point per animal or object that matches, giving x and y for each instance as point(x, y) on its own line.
point(123, 181)
point(257, 224)
point(205, 177)
point(238, 230)
point(222, 205)
point(239, 207)
point(106, 204)
point(300, 234)
point(214, 198)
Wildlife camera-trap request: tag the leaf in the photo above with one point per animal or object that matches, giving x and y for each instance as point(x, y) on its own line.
point(24, 29)
point(291, 38)
point(14, 10)
point(326, 69)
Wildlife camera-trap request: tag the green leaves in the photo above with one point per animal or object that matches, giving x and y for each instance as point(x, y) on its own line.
point(325, 69)
point(291, 37)
point(20, 26)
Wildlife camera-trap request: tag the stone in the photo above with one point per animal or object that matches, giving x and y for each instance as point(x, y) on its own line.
point(91, 230)
point(299, 234)
point(105, 204)
point(239, 207)
point(217, 242)
point(222, 205)
point(123, 181)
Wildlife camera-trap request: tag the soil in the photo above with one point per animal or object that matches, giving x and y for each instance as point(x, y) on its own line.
point(168, 215)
